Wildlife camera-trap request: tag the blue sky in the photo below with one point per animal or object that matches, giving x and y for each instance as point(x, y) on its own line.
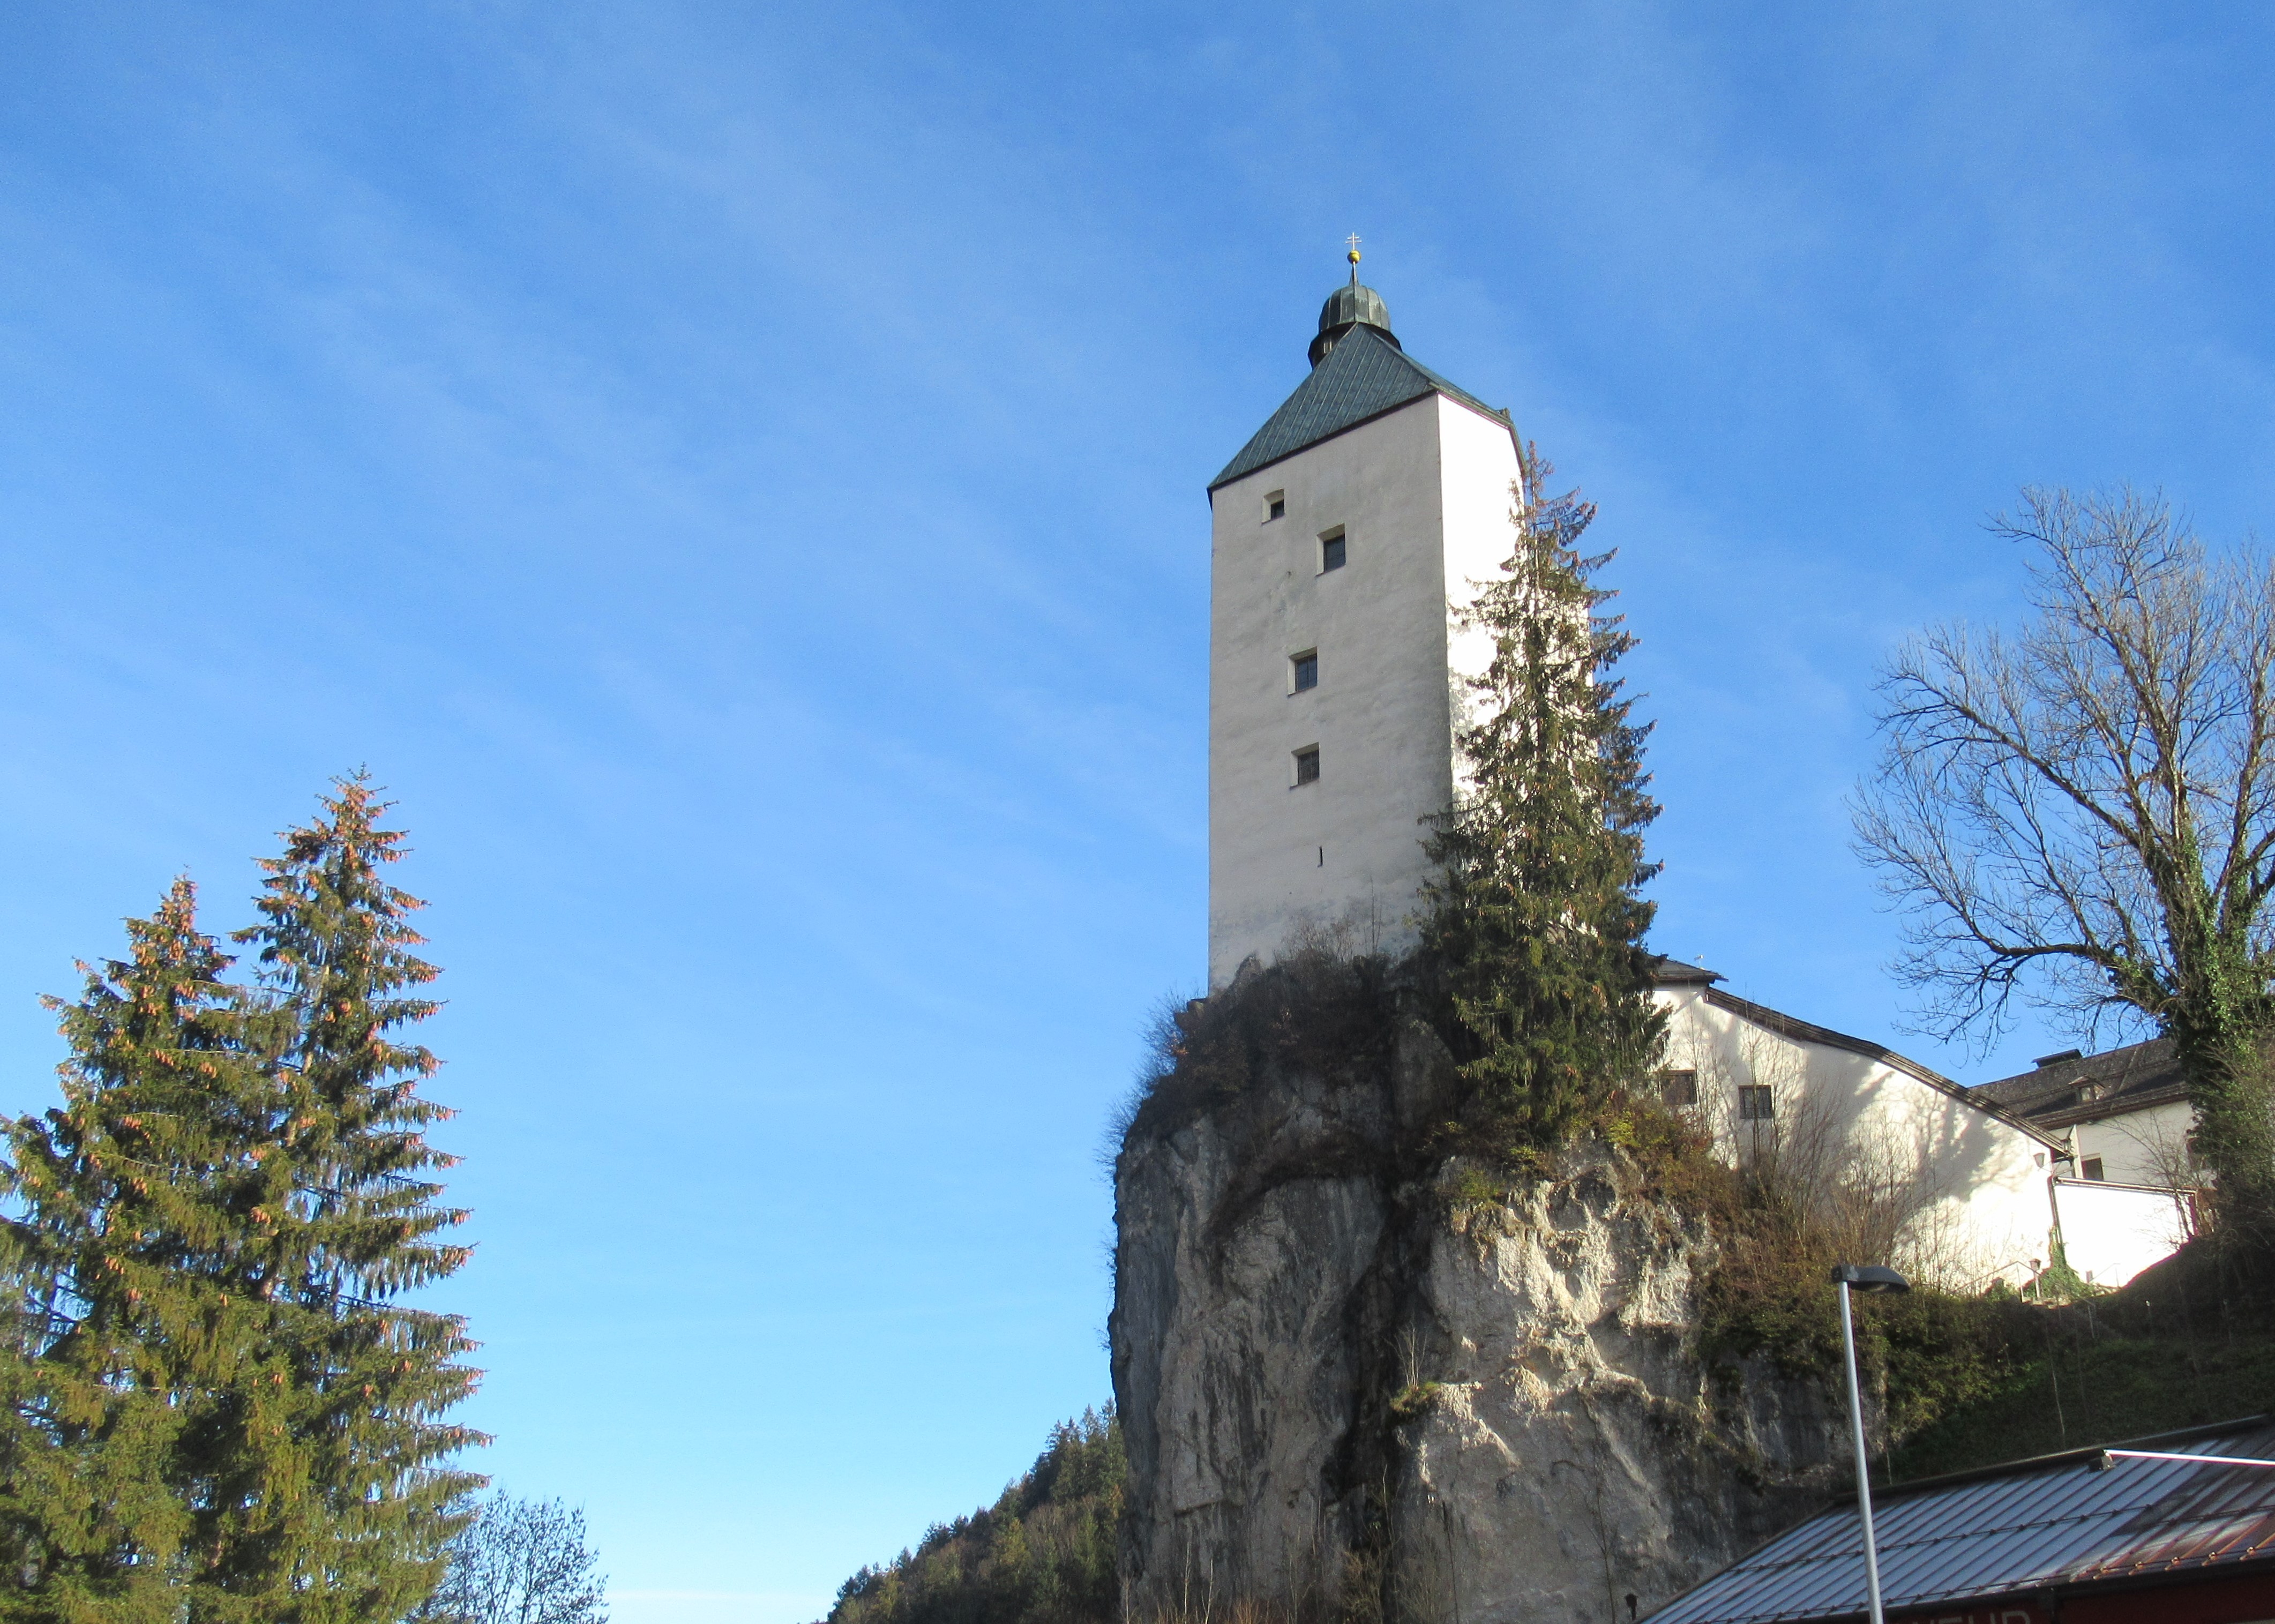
point(736, 473)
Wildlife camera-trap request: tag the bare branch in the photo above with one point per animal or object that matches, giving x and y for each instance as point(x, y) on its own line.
point(2061, 813)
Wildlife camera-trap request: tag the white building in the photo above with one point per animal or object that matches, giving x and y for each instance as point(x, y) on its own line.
point(2121, 1118)
point(1347, 535)
point(1970, 1182)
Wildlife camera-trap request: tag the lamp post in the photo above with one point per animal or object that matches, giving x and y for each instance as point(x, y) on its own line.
point(1868, 1276)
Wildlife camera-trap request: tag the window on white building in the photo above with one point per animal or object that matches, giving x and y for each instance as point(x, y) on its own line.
point(1678, 1087)
point(1275, 505)
point(1331, 551)
point(1307, 771)
point(1304, 670)
point(2091, 1167)
point(1755, 1104)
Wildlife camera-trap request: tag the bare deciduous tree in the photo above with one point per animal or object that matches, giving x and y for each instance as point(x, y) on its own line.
point(2082, 813)
point(521, 1562)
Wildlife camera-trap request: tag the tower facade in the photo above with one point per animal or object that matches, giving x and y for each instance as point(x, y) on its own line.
point(1349, 535)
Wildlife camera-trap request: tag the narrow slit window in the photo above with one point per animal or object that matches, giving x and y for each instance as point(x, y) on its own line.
point(1275, 506)
point(1331, 551)
point(1304, 670)
point(1755, 1104)
point(1307, 769)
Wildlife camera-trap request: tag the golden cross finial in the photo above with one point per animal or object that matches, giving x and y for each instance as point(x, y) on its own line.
point(1353, 240)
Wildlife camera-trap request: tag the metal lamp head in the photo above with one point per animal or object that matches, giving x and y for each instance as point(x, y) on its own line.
point(1869, 1277)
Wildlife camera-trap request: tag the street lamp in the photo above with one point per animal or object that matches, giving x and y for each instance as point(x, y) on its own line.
point(1869, 1277)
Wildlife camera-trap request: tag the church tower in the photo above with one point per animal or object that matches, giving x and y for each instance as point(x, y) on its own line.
point(1349, 534)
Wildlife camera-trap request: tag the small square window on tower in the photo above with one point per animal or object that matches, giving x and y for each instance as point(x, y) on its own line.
point(1331, 551)
point(1307, 771)
point(1275, 505)
point(1755, 1104)
point(1304, 671)
point(2091, 1168)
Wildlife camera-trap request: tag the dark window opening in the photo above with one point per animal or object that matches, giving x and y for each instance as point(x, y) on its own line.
point(1307, 670)
point(1275, 506)
point(1307, 768)
point(1755, 1104)
point(2091, 1168)
point(1678, 1087)
point(1331, 552)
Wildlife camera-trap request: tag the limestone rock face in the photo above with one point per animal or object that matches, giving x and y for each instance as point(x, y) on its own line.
point(1347, 1391)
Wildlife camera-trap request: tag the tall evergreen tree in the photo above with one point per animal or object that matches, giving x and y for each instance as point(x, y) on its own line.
point(217, 1410)
point(125, 1204)
point(1535, 920)
point(323, 1499)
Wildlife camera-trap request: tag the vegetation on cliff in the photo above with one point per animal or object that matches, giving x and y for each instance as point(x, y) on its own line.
point(1044, 1553)
point(1963, 1380)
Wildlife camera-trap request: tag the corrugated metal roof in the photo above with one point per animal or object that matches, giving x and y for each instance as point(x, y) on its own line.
point(2037, 1525)
point(1362, 377)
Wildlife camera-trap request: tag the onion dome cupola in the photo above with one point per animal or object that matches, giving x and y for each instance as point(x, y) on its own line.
point(1359, 371)
point(1347, 307)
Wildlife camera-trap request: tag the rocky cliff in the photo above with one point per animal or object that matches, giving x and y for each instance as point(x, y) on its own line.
point(1360, 1382)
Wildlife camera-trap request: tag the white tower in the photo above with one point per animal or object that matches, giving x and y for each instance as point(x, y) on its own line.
point(1349, 534)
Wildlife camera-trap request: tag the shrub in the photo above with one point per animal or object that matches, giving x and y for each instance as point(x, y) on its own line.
point(1318, 1011)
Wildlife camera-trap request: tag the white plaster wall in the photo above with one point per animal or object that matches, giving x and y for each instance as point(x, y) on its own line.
point(1347, 850)
point(2111, 1231)
point(1477, 484)
point(1988, 1216)
point(2140, 1147)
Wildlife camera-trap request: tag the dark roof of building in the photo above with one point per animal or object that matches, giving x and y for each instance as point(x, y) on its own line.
point(2070, 1087)
point(2058, 1522)
point(1666, 972)
point(1363, 376)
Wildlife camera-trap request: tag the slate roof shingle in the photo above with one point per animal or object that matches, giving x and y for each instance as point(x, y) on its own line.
point(1363, 376)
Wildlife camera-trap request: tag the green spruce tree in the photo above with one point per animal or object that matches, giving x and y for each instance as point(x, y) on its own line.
point(324, 1496)
point(216, 1411)
point(126, 1203)
point(1535, 921)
